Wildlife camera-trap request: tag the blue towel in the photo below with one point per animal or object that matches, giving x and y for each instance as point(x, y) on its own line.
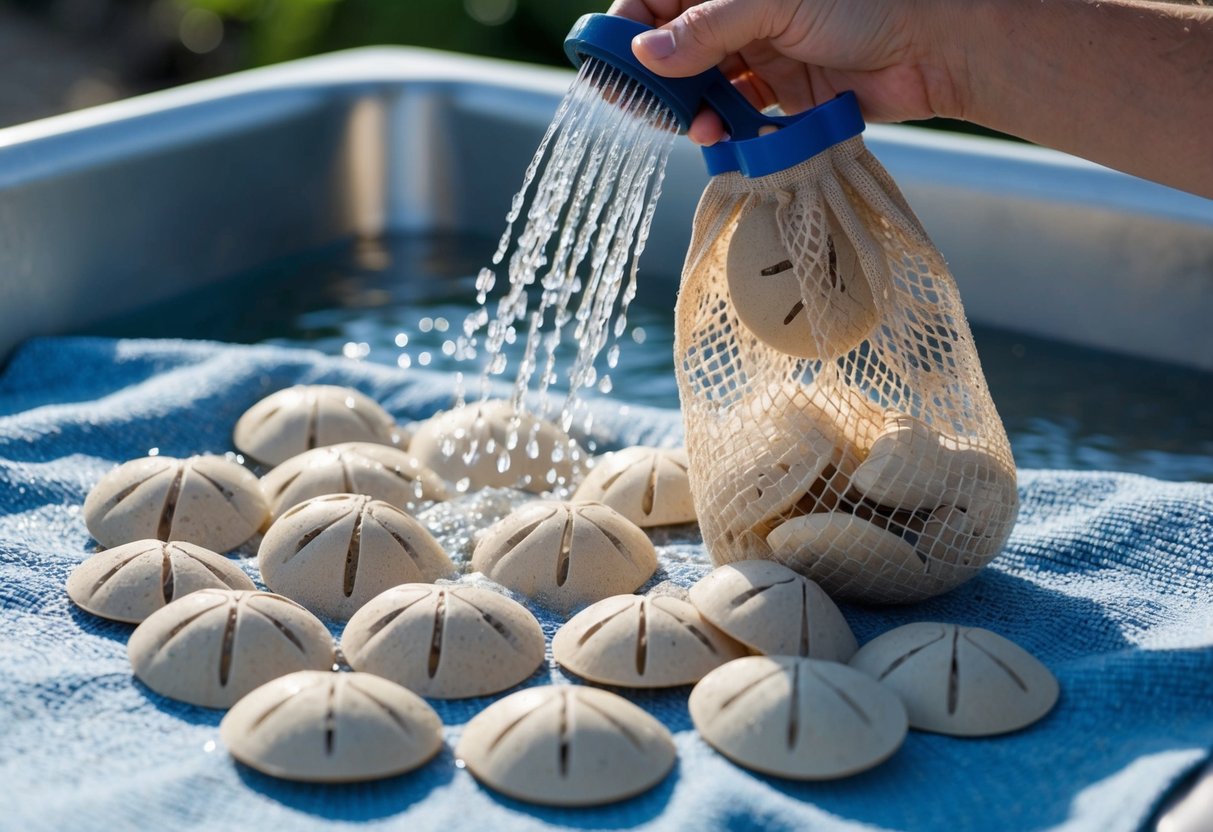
point(1107, 579)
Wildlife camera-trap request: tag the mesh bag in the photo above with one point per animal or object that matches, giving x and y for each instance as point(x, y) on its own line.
point(837, 419)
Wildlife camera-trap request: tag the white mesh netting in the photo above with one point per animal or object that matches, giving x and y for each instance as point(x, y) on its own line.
point(837, 419)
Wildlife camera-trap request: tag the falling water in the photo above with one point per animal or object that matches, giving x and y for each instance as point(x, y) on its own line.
point(597, 177)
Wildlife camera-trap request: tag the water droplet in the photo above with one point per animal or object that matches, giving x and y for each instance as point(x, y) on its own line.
point(153, 452)
point(605, 386)
point(463, 485)
point(402, 339)
point(503, 461)
point(425, 324)
point(403, 361)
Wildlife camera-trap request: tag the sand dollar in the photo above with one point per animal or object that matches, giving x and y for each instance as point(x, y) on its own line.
point(445, 642)
point(378, 471)
point(817, 304)
point(213, 646)
point(964, 681)
point(793, 456)
point(773, 610)
point(566, 554)
point(566, 745)
point(303, 417)
point(325, 727)
point(334, 553)
point(857, 559)
point(206, 500)
point(640, 642)
point(488, 445)
point(131, 581)
point(800, 718)
point(912, 465)
point(649, 486)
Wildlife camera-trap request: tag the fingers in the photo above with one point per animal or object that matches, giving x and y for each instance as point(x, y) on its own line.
point(637, 10)
point(649, 12)
point(707, 128)
point(703, 35)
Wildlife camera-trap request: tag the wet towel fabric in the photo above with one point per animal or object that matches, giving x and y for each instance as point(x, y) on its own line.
point(1107, 579)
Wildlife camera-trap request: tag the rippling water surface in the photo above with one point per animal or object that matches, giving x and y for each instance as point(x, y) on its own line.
point(401, 301)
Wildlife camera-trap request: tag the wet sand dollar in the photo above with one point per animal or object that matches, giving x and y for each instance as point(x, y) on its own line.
point(213, 646)
point(773, 610)
point(325, 727)
point(445, 642)
point(649, 486)
point(858, 560)
point(566, 745)
point(800, 718)
point(206, 500)
point(132, 581)
point(566, 554)
point(487, 445)
point(639, 642)
point(334, 553)
point(767, 288)
point(303, 417)
point(963, 681)
point(378, 471)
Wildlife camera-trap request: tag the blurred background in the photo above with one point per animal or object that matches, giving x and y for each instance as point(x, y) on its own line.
point(59, 55)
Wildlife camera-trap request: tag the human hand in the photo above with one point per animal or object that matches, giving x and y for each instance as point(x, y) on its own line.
point(800, 53)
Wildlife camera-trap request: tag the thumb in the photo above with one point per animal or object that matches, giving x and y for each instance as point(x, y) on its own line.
point(703, 35)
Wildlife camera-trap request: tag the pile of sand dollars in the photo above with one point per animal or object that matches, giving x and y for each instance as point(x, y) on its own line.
point(780, 684)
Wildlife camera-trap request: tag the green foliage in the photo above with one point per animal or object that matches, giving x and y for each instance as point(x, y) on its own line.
point(277, 30)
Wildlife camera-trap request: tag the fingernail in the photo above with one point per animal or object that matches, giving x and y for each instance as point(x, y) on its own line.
point(659, 42)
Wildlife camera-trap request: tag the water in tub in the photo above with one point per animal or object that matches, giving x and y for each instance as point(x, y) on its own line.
point(573, 320)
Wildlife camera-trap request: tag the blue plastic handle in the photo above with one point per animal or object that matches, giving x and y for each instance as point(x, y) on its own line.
point(609, 38)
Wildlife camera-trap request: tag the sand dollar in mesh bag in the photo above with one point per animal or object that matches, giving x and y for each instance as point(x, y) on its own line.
point(308, 416)
point(379, 471)
point(489, 445)
point(206, 500)
point(649, 486)
point(825, 366)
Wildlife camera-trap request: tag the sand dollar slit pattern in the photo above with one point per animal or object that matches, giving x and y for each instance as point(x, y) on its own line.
point(213, 646)
point(445, 642)
point(206, 500)
point(325, 727)
point(130, 582)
